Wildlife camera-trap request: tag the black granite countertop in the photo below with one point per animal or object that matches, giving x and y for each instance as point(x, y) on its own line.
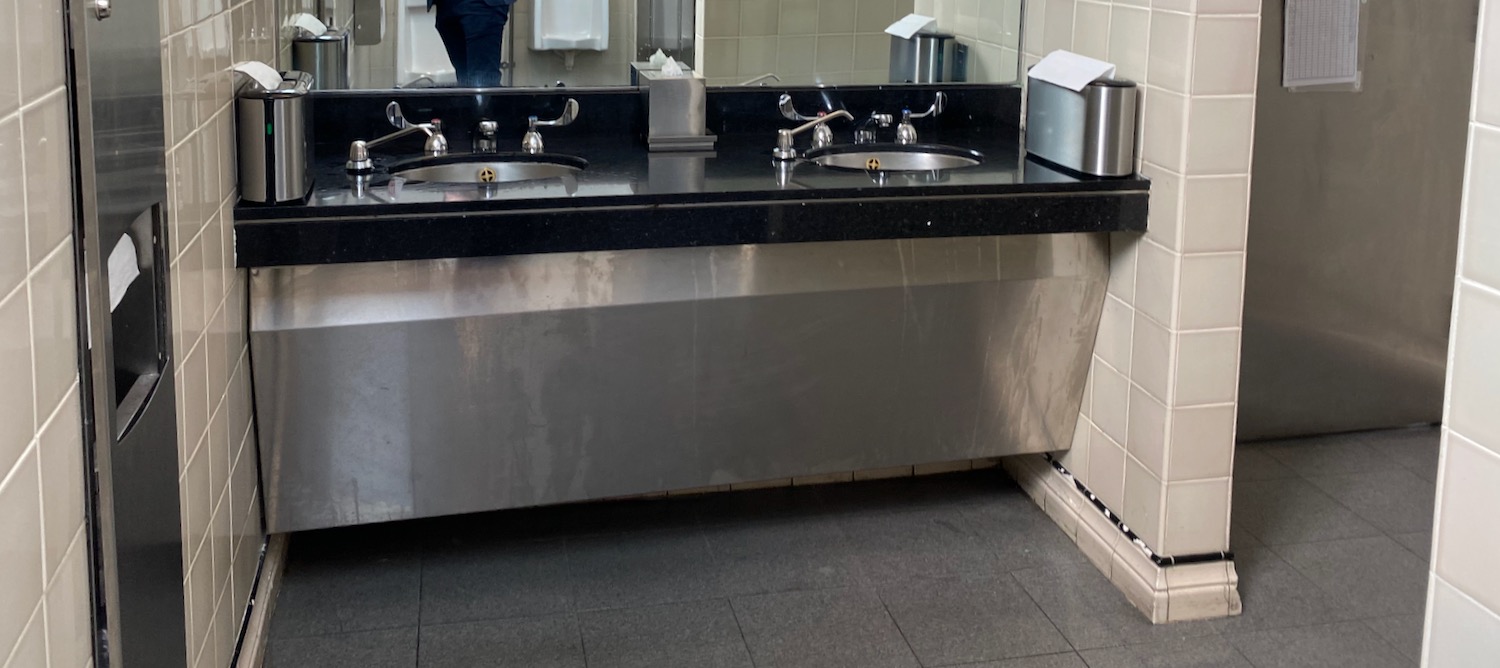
point(629, 198)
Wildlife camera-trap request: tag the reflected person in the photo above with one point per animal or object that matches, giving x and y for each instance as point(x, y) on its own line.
point(472, 31)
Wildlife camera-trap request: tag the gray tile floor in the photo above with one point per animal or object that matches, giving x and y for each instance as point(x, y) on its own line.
point(1331, 539)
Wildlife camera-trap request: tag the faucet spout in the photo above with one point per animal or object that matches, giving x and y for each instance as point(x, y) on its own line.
point(784, 137)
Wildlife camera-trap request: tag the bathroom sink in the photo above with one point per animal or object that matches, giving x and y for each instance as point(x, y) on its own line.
point(488, 168)
point(894, 157)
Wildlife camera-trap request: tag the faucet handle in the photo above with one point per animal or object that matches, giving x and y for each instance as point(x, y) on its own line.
point(569, 114)
point(938, 105)
point(394, 115)
point(788, 111)
point(437, 143)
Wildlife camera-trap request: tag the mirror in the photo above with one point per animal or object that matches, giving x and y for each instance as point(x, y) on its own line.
point(588, 43)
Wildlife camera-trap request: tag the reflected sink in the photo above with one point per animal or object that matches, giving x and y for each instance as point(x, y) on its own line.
point(894, 157)
point(488, 168)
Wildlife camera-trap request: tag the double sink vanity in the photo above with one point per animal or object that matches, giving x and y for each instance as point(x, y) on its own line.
point(521, 304)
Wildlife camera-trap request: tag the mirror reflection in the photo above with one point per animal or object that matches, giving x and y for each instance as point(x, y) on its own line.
point(382, 44)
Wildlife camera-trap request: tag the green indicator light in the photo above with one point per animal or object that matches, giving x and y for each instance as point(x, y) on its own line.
point(268, 129)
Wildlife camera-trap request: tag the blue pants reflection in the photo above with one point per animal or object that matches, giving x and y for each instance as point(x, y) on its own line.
point(472, 31)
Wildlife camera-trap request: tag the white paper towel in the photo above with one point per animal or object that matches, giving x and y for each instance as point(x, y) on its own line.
point(911, 25)
point(1070, 70)
point(309, 23)
point(123, 270)
point(263, 74)
point(671, 68)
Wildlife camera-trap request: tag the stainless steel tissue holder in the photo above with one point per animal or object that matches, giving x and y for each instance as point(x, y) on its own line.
point(1092, 132)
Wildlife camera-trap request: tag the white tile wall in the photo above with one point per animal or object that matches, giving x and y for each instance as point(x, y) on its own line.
point(810, 41)
point(1463, 612)
point(44, 613)
point(217, 482)
point(1169, 408)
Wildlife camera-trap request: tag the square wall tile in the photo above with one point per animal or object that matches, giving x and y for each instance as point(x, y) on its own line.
point(1152, 358)
point(1207, 369)
point(1474, 373)
point(21, 551)
point(1229, 7)
point(69, 622)
point(17, 421)
point(1463, 633)
point(1164, 127)
point(1219, 131)
point(1111, 401)
point(1466, 538)
point(1487, 68)
point(1164, 223)
point(1226, 52)
point(1197, 520)
point(1213, 288)
point(1091, 29)
point(1033, 19)
point(1122, 260)
point(1076, 457)
point(1217, 211)
point(10, 72)
point(60, 456)
point(1481, 242)
point(875, 15)
point(1202, 439)
point(1129, 32)
point(1115, 330)
point(1143, 500)
point(1148, 431)
point(42, 43)
point(840, 16)
point(13, 263)
point(1156, 282)
point(1106, 472)
point(47, 152)
point(1170, 59)
point(1057, 31)
point(762, 17)
point(54, 331)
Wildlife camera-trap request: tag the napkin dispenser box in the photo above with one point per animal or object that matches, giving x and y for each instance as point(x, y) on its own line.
point(1092, 131)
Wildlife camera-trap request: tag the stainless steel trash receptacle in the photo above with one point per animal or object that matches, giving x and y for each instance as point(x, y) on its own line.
point(325, 57)
point(926, 58)
point(275, 140)
point(1092, 131)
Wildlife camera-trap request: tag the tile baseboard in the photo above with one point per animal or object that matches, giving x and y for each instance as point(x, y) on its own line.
point(257, 629)
point(1171, 593)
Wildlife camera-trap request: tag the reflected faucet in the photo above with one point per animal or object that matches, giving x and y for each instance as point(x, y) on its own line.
point(757, 80)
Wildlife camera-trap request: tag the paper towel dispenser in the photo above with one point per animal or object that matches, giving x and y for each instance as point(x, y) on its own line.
point(1090, 131)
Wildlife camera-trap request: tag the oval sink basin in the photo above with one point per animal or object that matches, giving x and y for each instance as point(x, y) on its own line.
point(895, 157)
point(489, 168)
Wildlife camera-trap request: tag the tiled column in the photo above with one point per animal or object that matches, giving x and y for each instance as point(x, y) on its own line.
point(1156, 437)
point(1463, 604)
point(217, 469)
point(45, 613)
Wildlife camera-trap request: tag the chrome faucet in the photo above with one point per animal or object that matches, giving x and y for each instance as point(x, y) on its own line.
point(768, 76)
point(531, 143)
point(484, 137)
point(822, 135)
point(435, 145)
point(864, 134)
point(906, 133)
point(784, 136)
